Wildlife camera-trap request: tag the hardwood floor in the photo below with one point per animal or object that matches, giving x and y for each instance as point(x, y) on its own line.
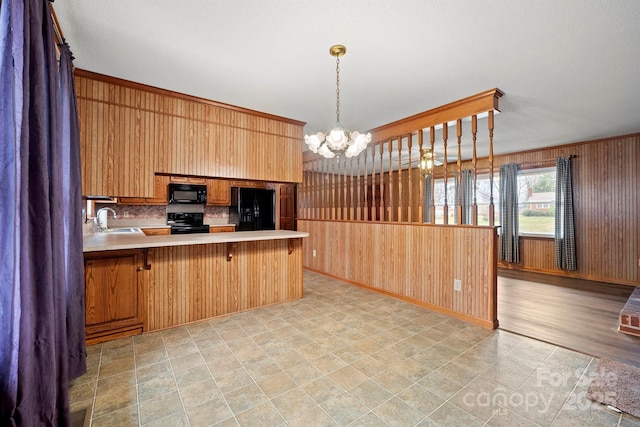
point(577, 314)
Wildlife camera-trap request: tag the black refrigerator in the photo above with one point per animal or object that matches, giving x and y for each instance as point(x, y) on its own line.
point(252, 209)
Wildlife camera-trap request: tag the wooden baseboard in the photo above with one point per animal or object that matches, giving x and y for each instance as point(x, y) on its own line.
point(98, 338)
point(443, 310)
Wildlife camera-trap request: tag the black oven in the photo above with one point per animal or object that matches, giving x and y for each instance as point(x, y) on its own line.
point(186, 222)
point(187, 193)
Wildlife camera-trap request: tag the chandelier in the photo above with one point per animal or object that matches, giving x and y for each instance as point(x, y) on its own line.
point(338, 139)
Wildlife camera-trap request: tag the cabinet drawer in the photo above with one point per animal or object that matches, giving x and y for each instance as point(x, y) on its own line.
point(163, 231)
point(221, 229)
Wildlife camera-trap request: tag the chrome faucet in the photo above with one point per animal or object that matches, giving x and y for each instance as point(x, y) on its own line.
point(100, 221)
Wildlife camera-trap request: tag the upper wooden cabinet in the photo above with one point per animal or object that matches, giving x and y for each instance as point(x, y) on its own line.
point(160, 194)
point(218, 192)
point(130, 131)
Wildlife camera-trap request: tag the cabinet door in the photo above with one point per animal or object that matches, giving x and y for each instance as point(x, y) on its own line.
point(160, 194)
point(179, 179)
point(218, 192)
point(113, 294)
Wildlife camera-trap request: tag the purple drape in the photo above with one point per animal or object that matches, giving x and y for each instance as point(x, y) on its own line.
point(41, 286)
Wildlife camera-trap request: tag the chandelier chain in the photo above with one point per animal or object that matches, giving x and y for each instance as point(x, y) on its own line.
point(338, 89)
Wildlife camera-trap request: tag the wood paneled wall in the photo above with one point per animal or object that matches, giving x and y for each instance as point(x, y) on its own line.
point(130, 131)
point(190, 283)
point(606, 188)
point(417, 263)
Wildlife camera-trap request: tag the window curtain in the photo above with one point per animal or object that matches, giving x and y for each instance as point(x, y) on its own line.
point(41, 277)
point(509, 237)
point(466, 195)
point(428, 195)
point(565, 236)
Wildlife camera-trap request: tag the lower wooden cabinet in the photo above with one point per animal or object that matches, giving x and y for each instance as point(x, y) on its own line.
point(114, 294)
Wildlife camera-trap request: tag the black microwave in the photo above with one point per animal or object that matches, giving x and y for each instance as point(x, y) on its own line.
point(187, 193)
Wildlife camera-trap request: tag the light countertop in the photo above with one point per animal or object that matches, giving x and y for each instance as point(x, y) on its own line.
point(110, 242)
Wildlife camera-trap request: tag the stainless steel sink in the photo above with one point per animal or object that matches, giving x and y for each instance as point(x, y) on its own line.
point(124, 230)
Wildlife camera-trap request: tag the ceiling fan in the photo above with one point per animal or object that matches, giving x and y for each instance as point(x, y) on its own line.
point(426, 161)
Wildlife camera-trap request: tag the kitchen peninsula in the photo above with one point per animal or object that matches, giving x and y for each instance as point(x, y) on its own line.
point(137, 283)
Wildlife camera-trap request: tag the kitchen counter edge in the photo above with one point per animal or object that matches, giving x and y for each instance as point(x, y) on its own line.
point(101, 242)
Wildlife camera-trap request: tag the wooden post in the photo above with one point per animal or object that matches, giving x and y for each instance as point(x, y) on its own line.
point(359, 200)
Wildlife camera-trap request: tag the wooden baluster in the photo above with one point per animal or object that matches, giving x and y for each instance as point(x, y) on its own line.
point(445, 208)
point(459, 164)
point(421, 181)
point(400, 179)
point(381, 186)
point(339, 187)
point(345, 200)
point(410, 189)
point(390, 175)
point(351, 191)
point(373, 212)
point(492, 217)
point(432, 140)
point(332, 203)
point(359, 181)
point(474, 131)
point(323, 189)
point(366, 186)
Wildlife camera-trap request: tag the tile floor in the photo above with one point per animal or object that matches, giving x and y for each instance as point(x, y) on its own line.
point(341, 356)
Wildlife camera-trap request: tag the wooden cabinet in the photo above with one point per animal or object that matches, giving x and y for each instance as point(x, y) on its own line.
point(129, 131)
point(160, 231)
point(160, 194)
point(221, 228)
point(114, 294)
point(179, 179)
point(218, 192)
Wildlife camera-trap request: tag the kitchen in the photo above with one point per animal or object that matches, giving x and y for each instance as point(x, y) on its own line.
point(184, 172)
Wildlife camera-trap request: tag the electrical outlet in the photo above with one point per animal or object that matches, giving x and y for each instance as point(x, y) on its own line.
point(125, 214)
point(314, 252)
point(457, 285)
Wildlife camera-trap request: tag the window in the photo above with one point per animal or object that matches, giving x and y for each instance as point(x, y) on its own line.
point(537, 201)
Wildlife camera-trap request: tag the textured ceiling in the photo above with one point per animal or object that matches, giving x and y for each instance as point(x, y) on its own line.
point(570, 69)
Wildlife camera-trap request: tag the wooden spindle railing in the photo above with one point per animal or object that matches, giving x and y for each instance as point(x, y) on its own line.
point(374, 187)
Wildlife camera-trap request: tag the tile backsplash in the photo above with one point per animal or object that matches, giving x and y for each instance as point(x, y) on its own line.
point(212, 214)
